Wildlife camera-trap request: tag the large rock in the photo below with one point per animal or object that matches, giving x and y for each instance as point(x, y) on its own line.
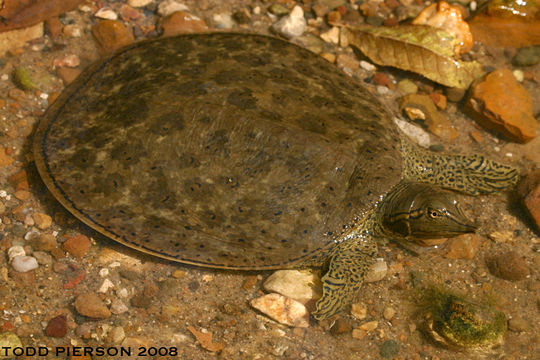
point(500, 103)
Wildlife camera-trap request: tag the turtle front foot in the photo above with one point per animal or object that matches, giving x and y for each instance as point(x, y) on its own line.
point(351, 261)
point(480, 175)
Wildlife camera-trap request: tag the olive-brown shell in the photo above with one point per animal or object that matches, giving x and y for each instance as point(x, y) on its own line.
point(222, 150)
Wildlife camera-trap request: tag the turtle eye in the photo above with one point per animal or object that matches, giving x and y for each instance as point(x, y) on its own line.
point(434, 214)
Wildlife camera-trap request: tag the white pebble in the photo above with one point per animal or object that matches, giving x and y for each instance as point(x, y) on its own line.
point(104, 272)
point(167, 7)
point(473, 5)
point(257, 10)
point(139, 3)
point(282, 309)
point(118, 307)
point(294, 284)
point(123, 293)
point(508, 154)
point(518, 74)
point(223, 21)
point(24, 263)
point(105, 286)
point(292, 25)
point(415, 132)
point(14, 251)
point(4, 77)
point(367, 66)
point(106, 13)
point(31, 235)
point(331, 36)
point(3, 193)
point(114, 264)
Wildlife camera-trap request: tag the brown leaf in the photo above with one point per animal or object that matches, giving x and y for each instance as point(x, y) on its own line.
point(205, 339)
point(17, 14)
point(422, 49)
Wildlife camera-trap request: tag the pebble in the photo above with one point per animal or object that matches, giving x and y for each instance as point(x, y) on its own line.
point(43, 258)
point(117, 335)
point(44, 242)
point(14, 251)
point(57, 326)
point(529, 191)
point(292, 25)
point(242, 16)
point(389, 313)
point(278, 10)
point(377, 272)
point(421, 107)
point(139, 3)
point(106, 13)
point(302, 286)
point(77, 245)
point(509, 266)
point(347, 61)
point(118, 307)
point(282, 309)
point(415, 132)
point(463, 246)
point(331, 36)
point(223, 21)
point(5, 159)
point(367, 66)
point(111, 35)
point(502, 104)
point(42, 221)
point(518, 324)
point(359, 311)
point(8, 341)
point(369, 326)
point(68, 75)
point(24, 263)
point(182, 22)
point(90, 305)
point(105, 286)
point(406, 87)
point(527, 56)
point(389, 349)
point(68, 60)
point(359, 334)
point(340, 326)
point(501, 236)
point(167, 7)
point(455, 94)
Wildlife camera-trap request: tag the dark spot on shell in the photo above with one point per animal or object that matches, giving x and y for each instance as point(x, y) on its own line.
point(242, 99)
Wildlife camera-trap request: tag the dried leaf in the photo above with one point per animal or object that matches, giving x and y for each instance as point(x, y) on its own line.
point(17, 14)
point(205, 339)
point(422, 49)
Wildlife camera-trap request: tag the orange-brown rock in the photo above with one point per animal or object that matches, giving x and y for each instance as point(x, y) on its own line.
point(463, 247)
point(67, 74)
point(111, 35)
point(181, 22)
point(504, 23)
point(77, 245)
point(529, 190)
point(421, 107)
point(500, 103)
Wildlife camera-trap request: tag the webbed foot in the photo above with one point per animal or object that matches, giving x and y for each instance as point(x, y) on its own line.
point(348, 267)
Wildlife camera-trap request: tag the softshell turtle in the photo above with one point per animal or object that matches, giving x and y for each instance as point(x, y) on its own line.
point(246, 152)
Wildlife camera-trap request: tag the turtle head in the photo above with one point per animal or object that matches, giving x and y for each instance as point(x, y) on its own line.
point(424, 211)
